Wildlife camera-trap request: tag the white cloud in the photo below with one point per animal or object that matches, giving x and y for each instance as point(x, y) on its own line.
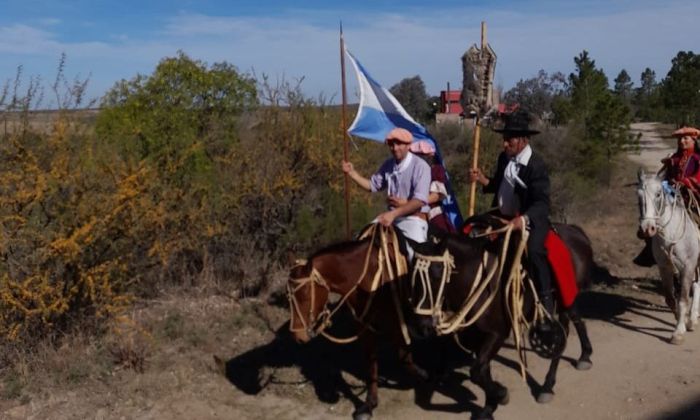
point(391, 45)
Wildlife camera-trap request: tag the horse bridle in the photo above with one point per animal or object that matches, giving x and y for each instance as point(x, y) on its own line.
point(659, 211)
point(323, 320)
point(293, 286)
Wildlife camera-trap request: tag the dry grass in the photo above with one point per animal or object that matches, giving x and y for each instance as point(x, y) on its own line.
point(163, 349)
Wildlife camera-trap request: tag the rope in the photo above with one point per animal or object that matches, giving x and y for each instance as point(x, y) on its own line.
point(513, 291)
point(384, 266)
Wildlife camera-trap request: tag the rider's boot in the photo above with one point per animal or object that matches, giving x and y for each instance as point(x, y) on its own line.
point(547, 300)
point(646, 256)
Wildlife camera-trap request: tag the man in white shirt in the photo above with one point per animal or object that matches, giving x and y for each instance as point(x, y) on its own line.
point(406, 178)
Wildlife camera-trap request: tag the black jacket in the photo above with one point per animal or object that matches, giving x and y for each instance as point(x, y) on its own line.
point(534, 200)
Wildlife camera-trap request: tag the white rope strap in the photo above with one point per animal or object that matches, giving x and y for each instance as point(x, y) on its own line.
point(384, 266)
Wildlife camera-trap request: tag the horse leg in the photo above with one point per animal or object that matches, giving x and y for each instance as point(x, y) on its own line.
point(547, 391)
point(695, 307)
point(364, 412)
point(666, 272)
point(686, 277)
point(406, 358)
point(481, 375)
point(584, 361)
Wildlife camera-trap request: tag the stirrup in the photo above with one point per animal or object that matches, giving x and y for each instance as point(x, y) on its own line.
point(547, 338)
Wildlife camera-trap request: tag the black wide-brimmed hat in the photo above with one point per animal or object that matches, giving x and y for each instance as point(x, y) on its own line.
point(517, 123)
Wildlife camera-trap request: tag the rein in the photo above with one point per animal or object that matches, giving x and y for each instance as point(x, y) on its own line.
point(384, 266)
point(449, 324)
point(660, 210)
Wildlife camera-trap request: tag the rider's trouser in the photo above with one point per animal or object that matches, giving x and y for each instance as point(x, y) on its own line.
point(539, 266)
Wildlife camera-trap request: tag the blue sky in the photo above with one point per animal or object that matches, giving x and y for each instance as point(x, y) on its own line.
point(113, 40)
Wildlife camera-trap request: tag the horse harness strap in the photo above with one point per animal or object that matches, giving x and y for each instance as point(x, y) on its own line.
point(513, 290)
point(384, 266)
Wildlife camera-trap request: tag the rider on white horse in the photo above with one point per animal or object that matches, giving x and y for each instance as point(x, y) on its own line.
point(682, 170)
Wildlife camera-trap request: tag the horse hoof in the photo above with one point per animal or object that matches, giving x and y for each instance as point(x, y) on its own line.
point(361, 416)
point(677, 339)
point(545, 397)
point(485, 414)
point(505, 398)
point(584, 365)
point(362, 413)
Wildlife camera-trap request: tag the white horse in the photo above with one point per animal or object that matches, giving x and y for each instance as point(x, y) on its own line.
point(676, 245)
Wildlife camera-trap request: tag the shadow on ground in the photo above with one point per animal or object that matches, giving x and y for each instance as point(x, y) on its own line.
point(322, 364)
point(690, 411)
point(612, 307)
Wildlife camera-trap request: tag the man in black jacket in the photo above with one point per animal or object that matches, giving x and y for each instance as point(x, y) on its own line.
point(521, 188)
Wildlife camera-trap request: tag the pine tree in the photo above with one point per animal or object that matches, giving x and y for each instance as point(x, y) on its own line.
point(623, 86)
point(680, 89)
point(603, 116)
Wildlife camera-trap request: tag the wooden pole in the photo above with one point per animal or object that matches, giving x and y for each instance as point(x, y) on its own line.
point(348, 232)
point(477, 134)
point(475, 165)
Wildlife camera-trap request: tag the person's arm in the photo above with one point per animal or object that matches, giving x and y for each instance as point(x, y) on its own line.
point(420, 180)
point(409, 207)
point(363, 182)
point(478, 176)
point(435, 198)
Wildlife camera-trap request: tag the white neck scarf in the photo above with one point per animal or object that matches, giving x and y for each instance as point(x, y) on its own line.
point(508, 201)
point(393, 179)
point(511, 172)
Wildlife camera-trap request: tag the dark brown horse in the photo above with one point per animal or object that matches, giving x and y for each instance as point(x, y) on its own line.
point(349, 270)
point(487, 335)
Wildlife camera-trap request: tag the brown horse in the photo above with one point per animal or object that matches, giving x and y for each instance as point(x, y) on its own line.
point(488, 333)
point(353, 270)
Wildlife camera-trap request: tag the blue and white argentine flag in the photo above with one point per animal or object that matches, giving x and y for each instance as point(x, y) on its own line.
point(379, 113)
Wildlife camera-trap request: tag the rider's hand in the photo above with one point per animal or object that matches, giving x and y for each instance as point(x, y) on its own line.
point(386, 219)
point(475, 175)
point(347, 167)
point(518, 223)
point(395, 201)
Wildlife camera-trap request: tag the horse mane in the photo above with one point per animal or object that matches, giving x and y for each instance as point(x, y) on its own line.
point(338, 247)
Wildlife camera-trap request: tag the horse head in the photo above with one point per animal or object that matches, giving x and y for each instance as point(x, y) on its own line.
point(650, 192)
point(308, 296)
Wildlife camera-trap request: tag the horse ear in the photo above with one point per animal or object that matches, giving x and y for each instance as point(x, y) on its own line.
point(640, 174)
point(291, 258)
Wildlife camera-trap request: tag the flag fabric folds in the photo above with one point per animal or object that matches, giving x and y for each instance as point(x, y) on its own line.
point(379, 113)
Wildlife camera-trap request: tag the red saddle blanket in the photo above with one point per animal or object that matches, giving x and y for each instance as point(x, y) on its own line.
point(562, 268)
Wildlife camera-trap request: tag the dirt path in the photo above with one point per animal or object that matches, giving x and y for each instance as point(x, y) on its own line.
point(636, 374)
point(652, 145)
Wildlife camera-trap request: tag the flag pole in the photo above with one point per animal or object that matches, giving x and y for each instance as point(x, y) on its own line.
point(475, 164)
point(477, 135)
point(345, 133)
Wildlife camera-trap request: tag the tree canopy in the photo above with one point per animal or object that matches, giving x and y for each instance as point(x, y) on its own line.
point(681, 89)
point(411, 93)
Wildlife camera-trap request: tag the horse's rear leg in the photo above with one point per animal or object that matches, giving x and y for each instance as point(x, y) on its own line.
point(695, 307)
point(584, 361)
point(481, 375)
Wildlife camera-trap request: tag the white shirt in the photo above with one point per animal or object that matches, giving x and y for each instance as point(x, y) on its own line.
point(508, 202)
